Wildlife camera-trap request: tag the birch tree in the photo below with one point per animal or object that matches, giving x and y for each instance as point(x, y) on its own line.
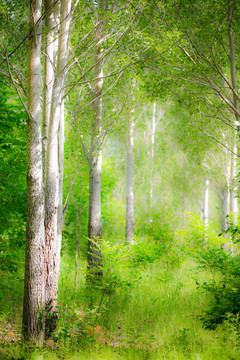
point(233, 164)
point(129, 229)
point(54, 165)
point(95, 160)
point(35, 246)
point(205, 204)
point(46, 166)
point(153, 129)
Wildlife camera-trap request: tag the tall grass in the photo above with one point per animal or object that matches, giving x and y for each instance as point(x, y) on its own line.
point(143, 310)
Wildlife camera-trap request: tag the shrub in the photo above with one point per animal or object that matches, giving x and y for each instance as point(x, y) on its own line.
point(224, 287)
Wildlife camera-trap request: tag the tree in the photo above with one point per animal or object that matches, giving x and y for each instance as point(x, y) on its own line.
point(54, 164)
point(45, 159)
point(129, 228)
point(35, 241)
point(95, 159)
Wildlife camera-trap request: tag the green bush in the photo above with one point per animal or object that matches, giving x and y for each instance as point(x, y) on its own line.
point(196, 236)
point(145, 251)
point(224, 286)
point(155, 226)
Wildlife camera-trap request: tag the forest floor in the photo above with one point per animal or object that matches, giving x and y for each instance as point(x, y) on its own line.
point(147, 311)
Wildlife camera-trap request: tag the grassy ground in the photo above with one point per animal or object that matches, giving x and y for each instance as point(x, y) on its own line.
point(148, 311)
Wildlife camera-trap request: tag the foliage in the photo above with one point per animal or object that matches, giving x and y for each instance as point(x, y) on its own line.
point(12, 268)
point(147, 305)
point(196, 236)
point(12, 160)
point(223, 287)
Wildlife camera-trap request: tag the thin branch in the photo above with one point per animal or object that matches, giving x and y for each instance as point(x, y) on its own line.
point(16, 88)
point(106, 53)
point(69, 191)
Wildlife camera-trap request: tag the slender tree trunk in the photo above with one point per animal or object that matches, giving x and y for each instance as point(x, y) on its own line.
point(60, 171)
point(184, 207)
point(153, 128)
point(48, 74)
point(95, 167)
point(54, 168)
point(233, 174)
point(224, 207)
point(205, 208)
point(129, 230)
point(34, 284)
point(233, 183)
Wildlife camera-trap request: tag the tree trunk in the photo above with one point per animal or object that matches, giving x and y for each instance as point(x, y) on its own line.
point(129, 230)
point(34, 284)
point(60, 171)
point(224, 208)
point(233, 171)
point(205, 204)
point(234, 183)
point(48, 75)
point(95, 167)
point(153, 128)
point(53, 207)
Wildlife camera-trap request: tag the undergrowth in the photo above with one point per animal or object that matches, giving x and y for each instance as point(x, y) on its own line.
point(150, 305)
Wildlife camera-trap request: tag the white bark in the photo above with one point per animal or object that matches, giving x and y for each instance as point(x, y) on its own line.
point(60, 170)
point(54, 154)
point(234, 183)
point(48, 74)
point(129, 230)
point(95, 168)
point(225, 200)
point(34, 284)
point(153, 129)
point(224, 208)
point(205, 210)
point(233, 174)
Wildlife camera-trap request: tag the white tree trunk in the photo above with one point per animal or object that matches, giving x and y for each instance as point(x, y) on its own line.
point(60, 170)
point(205, 209)
point(54, 154)
point(153, 129)
point(34, 284)
point(48, 74)
point(129, 230)
point(233, 182)
point(95, 168)
point(225, 198)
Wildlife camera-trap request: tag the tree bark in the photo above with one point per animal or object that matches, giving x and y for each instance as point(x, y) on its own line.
point(233, 171)
point(34, 284)
point(205, 204)
point(153, 129)
point(48, 74)
point(95, 166)
point(224, 208)
point(129, 230)
point(233, 183)
point(53, 207)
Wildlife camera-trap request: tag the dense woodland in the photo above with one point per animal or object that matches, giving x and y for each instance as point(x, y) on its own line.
point(119, 137)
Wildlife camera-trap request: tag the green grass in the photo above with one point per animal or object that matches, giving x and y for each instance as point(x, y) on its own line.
point(154, 314)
